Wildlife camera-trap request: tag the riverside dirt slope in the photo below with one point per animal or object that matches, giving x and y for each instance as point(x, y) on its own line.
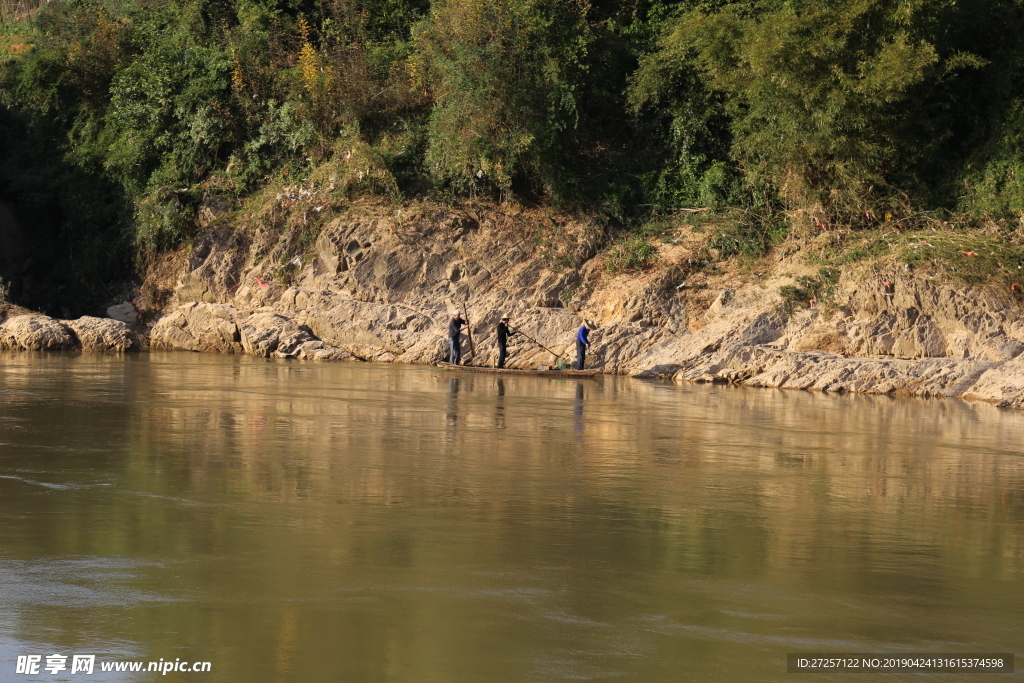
point(380, 283)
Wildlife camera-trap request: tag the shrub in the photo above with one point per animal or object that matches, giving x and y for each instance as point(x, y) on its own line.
point(632, 253)
point(751, 235)
point(806, 288)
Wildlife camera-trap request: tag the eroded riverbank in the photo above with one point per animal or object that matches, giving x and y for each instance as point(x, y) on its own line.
point(380, 283)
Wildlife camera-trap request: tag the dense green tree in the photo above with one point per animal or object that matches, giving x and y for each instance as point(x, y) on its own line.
point(504, 76)
point(819, 96)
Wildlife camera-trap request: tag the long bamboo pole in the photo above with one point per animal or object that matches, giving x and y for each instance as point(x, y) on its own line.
point(557, 356)
point(469, 329)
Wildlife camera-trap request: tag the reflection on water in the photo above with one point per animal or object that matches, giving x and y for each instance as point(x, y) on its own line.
point(499, 404)
point(304, 522)
point(452, 412)
point(577, 412)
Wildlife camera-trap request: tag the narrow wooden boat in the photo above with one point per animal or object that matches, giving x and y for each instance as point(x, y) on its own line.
point(515, 371)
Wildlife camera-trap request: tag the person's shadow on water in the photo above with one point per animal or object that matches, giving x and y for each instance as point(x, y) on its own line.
point(577, 412)
point(499, 406)
point(452, 407)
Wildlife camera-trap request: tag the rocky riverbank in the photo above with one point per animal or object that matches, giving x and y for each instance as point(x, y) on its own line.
point(884, 333)
point(379, 284)
point(24, 330)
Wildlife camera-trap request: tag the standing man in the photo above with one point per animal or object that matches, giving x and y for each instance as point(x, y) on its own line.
point(503, 334)
point(582, 342)
point(454, 342)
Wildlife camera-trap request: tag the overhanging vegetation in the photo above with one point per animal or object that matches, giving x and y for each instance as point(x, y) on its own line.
point(119, 118)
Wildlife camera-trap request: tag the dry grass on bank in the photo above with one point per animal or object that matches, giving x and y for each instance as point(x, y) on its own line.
point(9, 310)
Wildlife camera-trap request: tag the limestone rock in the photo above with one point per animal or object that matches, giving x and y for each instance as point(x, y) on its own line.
point(213, 271)
point(35, 333)
point(1002, 384)
point(318, 350)
point(735, 362)
point(265, 334)
point(199, 327)
point(103, 335)
point(221, 328)
point(125, 312)
point(719, 303)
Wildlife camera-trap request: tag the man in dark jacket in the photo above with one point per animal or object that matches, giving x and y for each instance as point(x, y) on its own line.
point(503, 334)
point(454, 342)
point(582, 342)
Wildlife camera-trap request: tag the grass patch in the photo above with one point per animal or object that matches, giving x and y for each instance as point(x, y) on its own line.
point(660, 228)
point(746, 234)
point(972, 256)
point(820, 289)
point(635, 250)
point(629, 254)
point(14, 45)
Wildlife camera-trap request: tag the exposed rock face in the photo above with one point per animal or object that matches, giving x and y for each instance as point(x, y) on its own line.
point(1003, 383)
point(915, 318)
point(766, 367)
point(268, 334)
point(213, 270)
point(199, 327)
point(211, 209)
point(124, 312)
point(261, 334)
point(381, 286)
point(103, 335)
point(746, 344)
point(226, 329)
point(35, 333)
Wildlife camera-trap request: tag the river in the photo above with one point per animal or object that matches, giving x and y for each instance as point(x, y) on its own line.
point(290, 521)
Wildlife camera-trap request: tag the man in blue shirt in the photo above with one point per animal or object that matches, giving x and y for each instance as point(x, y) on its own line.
point(582, 342)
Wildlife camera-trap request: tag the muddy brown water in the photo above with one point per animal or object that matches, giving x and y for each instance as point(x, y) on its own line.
point(291, 521)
